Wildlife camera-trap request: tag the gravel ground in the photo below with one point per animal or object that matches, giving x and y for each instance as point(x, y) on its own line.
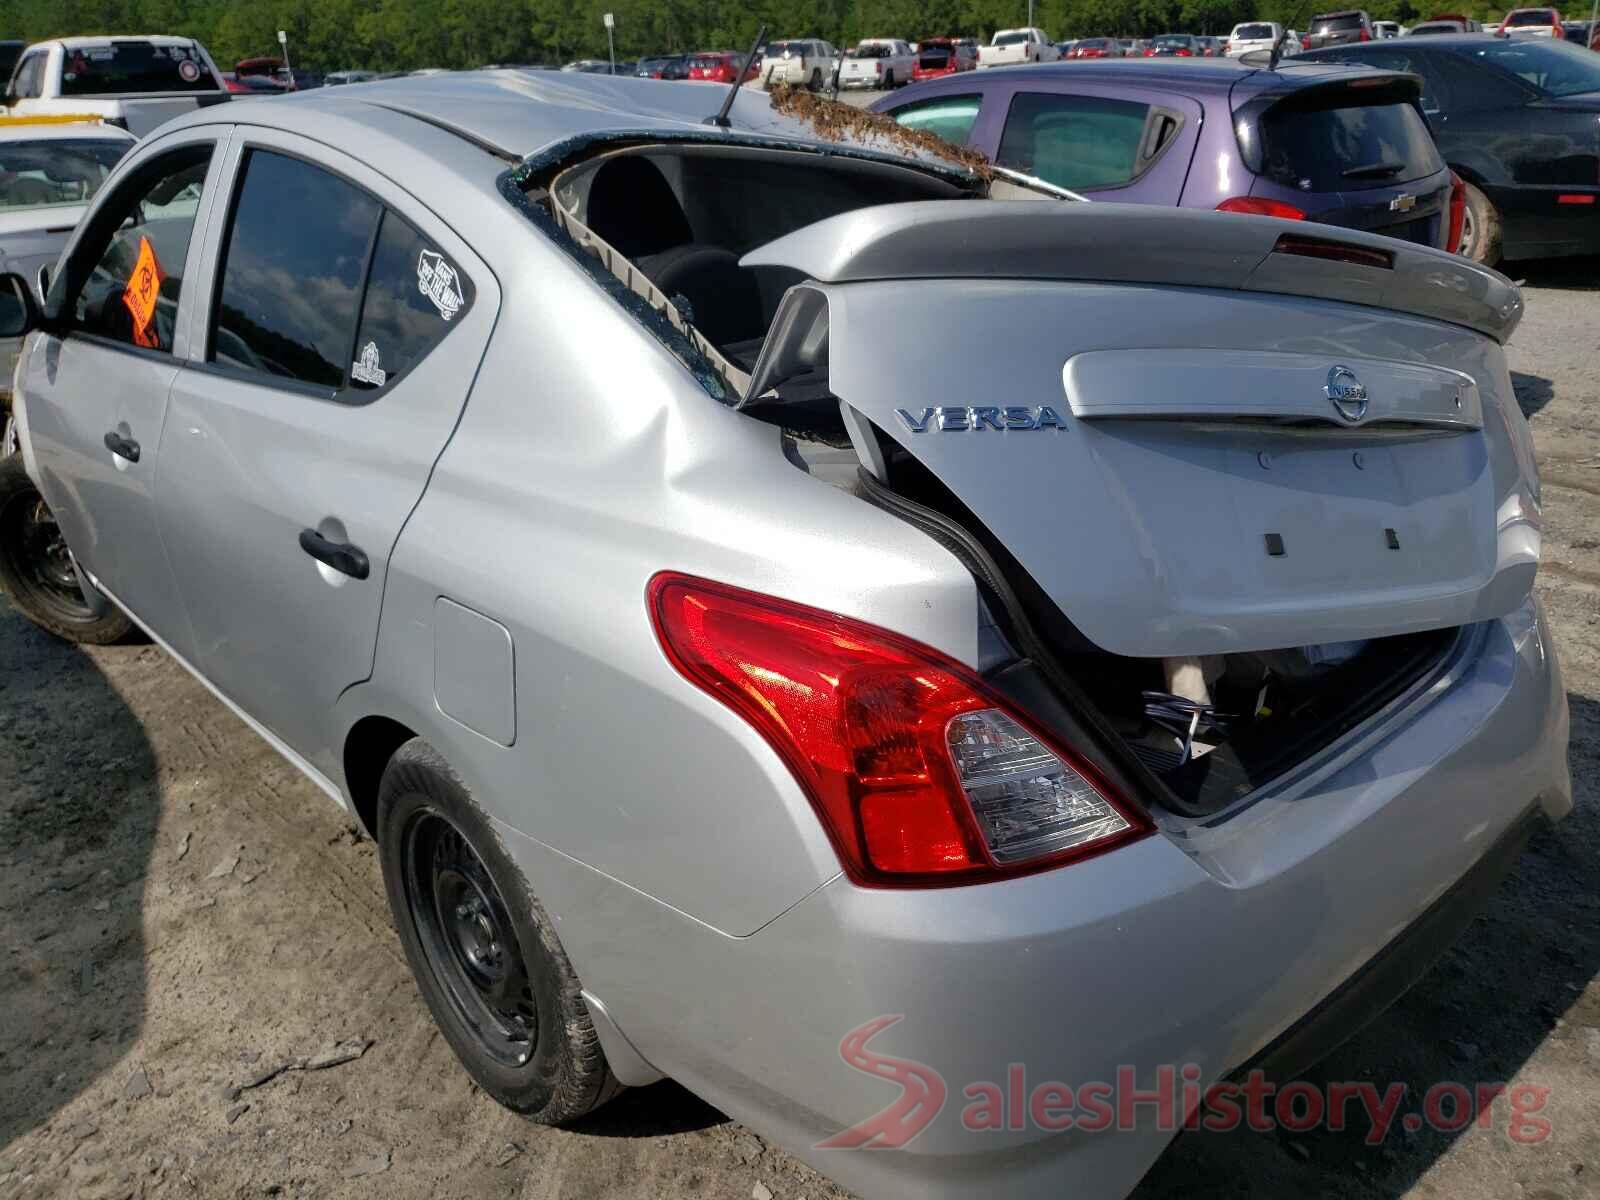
point(182, 916)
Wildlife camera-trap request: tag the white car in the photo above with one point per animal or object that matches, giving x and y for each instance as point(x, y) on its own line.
point(1389, 29)
point(135, 82)
point(1254, 35)
point(878, 63)
point(800, 62)
point(1012, 46)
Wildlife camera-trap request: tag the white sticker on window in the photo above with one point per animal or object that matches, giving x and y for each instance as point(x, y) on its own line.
point(438, 281)
point(366, 369)
point(188, 71)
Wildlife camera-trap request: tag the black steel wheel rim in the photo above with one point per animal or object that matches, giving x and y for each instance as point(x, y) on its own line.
point(464, 926)
point(39, 558)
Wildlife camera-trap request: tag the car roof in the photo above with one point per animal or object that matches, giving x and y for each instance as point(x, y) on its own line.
point(1445, 41)
point(62, 131)
point(516, 113)
point(84, 43)
point(1197, 76)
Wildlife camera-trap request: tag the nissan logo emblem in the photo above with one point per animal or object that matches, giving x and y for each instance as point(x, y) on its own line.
point(1348, 394)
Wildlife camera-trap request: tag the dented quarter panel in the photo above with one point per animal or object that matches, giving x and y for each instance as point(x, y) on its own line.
point(562, 492)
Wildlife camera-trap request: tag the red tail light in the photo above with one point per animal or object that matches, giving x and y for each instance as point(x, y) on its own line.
point(1185, 54)
point(1458, 213)
point(921, 775)
point(1262, 207)
point(1305, 43)
point(1365, 36)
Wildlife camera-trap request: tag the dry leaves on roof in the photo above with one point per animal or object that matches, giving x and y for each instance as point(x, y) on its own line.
point(834, 122)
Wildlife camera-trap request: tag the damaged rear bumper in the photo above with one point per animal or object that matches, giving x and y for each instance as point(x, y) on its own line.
point(1151, 957)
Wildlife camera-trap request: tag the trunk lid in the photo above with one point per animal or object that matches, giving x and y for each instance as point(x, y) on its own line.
point(1165, 421)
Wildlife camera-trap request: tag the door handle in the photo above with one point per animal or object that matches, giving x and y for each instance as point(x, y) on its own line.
point(341, 556)
point(122, 447)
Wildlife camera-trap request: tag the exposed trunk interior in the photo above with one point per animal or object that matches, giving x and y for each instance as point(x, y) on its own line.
point(1206, 730)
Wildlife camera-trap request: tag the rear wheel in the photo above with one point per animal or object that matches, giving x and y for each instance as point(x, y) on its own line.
point(36, 569)
point(816, 80)
point(484, 954)
point(888, 81)
point(1480, 229)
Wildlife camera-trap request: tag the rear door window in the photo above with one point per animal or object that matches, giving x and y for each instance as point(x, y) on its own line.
point(1077, 142)
point(415, 295)
point(948, 117)
point(290, 290)
point(134, 66)
point(1468, 87)
point(1347, 149)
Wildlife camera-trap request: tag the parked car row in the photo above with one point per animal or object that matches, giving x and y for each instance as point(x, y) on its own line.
point(785, 718)
point(1518, 119)
point(1482, 144)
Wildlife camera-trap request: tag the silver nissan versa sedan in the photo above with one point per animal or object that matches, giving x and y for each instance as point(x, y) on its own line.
point(800, 623)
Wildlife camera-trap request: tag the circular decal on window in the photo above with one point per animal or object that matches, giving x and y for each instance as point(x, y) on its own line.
point(188, 71)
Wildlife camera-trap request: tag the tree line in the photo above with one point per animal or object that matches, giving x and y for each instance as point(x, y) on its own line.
point(388, 35)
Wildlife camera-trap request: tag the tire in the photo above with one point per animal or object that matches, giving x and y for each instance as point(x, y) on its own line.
point(1480, 229)
point(888, 81)
point(36, 568)
point(816, 80)
point(485, 955)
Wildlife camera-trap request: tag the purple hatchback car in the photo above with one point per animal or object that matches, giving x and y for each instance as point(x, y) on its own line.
point(1339, 146)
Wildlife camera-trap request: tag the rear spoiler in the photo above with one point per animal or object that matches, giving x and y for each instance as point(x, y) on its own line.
point(1128, 243)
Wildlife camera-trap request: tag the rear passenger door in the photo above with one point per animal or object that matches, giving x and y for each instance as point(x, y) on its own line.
point(1119, 144)
point(345, 327)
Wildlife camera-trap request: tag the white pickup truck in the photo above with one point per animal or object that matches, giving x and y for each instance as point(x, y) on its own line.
point(1012, 46)
point(136, 83)
point(877, 63)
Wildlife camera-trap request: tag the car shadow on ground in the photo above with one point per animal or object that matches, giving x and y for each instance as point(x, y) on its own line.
point(78, 816)
point(1578, 273)
point(1476, 1017)
point(1533, 392)
point(654, 1111)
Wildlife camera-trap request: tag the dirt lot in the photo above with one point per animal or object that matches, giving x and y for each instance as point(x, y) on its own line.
point(181, 914)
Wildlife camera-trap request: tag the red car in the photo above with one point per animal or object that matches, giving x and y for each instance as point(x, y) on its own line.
point(1096, 48)
point(721, 66)
point(941, 56)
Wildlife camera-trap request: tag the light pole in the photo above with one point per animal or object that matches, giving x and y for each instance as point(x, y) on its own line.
point(283, 42)
point(611, 45)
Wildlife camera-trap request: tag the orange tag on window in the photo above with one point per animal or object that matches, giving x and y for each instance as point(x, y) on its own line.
point(144, 287)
